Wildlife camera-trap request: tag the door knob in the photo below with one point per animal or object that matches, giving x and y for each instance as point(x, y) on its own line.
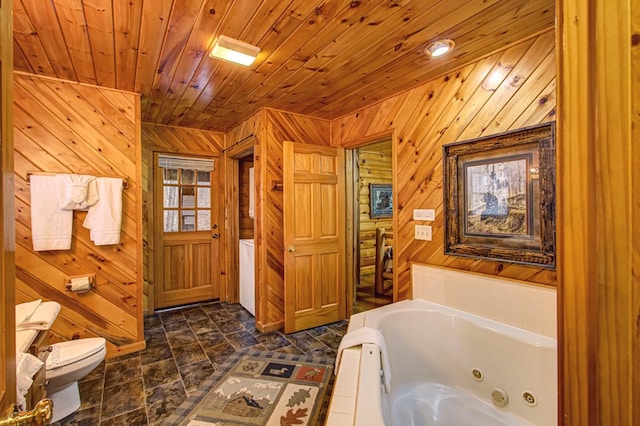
point(292, 249)
point(215, 236)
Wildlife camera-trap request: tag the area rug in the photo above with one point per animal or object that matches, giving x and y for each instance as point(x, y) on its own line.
point(260, 388)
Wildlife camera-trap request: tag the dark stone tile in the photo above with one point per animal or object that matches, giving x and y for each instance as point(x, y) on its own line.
point(168, 317)
point(211, 338)
point(179, 338)
point(340, 327)
point(159, 373)
point(122, 372)
point(188, 354)
point(193, 312)
point(121, 399)
point(242, 316)
point(91, 393)
point(96, 373)
point(289, 350)
point(155, 337)
point(121, 358)
point(230, 325)
point(152, 321)
point(203, 325)
point(133, 418)
point(177, 326)
point(164, 399)
point(82, 417)
point(155, 353)
point(272, 340)
point(212, 307)
point(331, 339)
point(251, 327)
point(234, 307)
point(317, 331)
point(240, 340)
point(194, 374)
point(303, 341)
point(220, 316)
point(219, 353)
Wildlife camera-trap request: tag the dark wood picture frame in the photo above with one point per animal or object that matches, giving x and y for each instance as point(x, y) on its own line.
point(380, 200)
point(499, 196)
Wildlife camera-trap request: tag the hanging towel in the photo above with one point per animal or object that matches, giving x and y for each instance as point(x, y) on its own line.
point(80, 193)
point(42, 318)
point(50, 225)
point(25, 310)
point(26, 366)
point(370, 335)
point(104, 219)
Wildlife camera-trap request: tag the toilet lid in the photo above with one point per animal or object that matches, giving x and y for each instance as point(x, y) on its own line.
point(65, 353)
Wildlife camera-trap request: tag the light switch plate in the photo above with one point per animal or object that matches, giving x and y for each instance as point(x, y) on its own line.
point(423, 232)
point(424, 214)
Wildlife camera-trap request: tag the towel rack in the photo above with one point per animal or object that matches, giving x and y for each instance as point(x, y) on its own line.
point(125, 179)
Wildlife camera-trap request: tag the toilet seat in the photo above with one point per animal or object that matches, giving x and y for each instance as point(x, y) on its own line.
point(65, 353)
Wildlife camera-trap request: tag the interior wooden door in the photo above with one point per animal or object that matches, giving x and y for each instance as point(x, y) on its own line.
point(314, 236)
point(186, 261)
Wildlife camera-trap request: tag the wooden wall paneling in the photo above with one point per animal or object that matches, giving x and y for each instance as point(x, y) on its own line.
point(76, 38)
point(437, 113)
point(245, 222)
point(374, 167)
point(29, 42)
point(70, 128)
point(635, 197)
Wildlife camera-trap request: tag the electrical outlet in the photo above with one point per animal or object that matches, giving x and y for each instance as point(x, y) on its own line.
point(423, 232)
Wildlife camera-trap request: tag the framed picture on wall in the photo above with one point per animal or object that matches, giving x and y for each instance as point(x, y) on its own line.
point(499, 196)
point(380, 200)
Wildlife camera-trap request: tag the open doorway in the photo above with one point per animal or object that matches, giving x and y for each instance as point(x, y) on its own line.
point(373, 225)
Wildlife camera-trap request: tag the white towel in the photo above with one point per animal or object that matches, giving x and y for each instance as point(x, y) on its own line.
point(26, 366)
point(42, 318)
point(370, 335)
point(104, 219)
point(50, 225)
point(80, 192)
point(25, 310)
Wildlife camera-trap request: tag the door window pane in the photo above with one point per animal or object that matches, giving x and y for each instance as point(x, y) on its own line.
point(188, 177)
point(204, 178)
point(204, 220)
point(170, 176)
point(188, 222)
point(188, 197)
point(170, 221)
point(204, 198)
point(171, 196)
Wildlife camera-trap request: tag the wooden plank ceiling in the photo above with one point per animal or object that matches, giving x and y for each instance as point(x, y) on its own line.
point(323, 58)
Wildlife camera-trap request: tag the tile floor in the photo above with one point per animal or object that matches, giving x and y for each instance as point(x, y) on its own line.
point(184, 346)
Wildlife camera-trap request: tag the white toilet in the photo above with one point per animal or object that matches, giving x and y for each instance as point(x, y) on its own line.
point(67, 363)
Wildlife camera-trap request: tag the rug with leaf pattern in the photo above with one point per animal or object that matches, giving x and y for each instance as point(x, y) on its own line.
point(260, 388)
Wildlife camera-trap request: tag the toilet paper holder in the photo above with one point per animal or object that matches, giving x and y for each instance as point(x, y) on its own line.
point(80, 283)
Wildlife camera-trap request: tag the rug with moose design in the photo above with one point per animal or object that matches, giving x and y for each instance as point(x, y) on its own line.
point(260, 388)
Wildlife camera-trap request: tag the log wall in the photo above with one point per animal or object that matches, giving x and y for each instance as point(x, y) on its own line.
point(507, 90)
point(67, 127)
point(373, 167)
point(169, 139)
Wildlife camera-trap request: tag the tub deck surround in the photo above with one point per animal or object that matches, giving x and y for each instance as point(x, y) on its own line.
point(448, 365)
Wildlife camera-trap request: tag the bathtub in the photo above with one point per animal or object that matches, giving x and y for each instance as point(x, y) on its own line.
point(449, 367)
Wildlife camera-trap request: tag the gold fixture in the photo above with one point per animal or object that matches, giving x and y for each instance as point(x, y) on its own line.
point(41, 415)
point(232, 50)
point(439, 47)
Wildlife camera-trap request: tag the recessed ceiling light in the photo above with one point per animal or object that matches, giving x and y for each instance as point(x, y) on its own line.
point(439, 47)
point(230, 49)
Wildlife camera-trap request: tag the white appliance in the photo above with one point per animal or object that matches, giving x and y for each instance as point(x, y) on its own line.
point(247, 276)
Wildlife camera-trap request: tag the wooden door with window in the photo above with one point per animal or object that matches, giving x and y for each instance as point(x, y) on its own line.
point(187, 230)
point(314, 236)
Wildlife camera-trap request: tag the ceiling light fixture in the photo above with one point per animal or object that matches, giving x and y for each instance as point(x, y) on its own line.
point(439, 47)
point(232, 50)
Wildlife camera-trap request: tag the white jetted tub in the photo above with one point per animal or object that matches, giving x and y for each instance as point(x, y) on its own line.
point(448, 367)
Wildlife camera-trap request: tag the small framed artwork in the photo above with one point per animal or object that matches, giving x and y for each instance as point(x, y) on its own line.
point(380, 200)
point(499, 196)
